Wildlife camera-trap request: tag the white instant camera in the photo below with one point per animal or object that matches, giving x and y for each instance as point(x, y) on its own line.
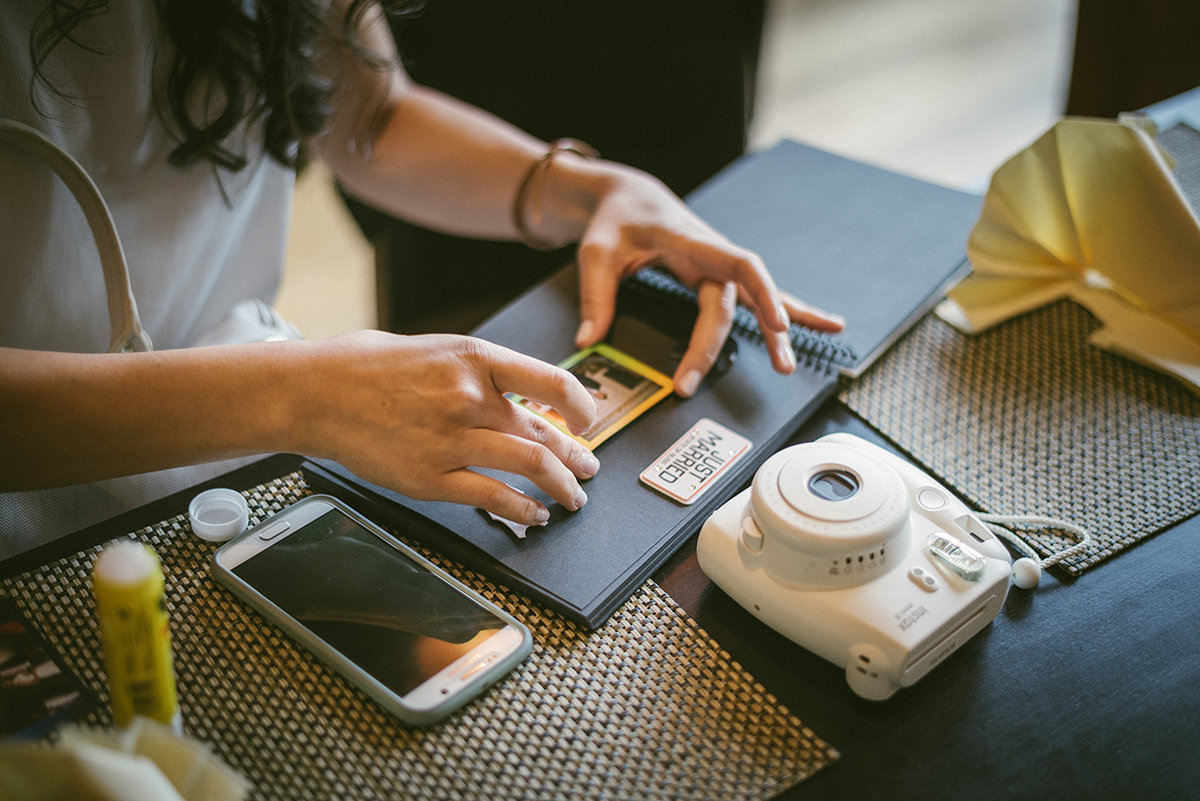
point(861, 558)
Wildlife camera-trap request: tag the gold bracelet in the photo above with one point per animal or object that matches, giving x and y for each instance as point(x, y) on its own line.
point(537, 175)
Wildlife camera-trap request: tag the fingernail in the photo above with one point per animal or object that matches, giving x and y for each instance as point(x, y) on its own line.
point(584, 334)
point(541, 516)
point(589, 464)
point(783, 315)
point(789, 355)
point(783, 349)
point(580, 499)
point(688, 385)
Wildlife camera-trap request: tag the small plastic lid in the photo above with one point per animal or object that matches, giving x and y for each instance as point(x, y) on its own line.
point(218, 515)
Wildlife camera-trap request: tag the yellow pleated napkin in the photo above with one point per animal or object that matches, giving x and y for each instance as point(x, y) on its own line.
point(1091, 211)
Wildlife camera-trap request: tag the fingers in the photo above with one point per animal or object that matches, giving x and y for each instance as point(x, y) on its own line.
point(812, 317)
point(757, 290)
point(803, 313)
point(530, 447)
point(492, 495)
point(514, 440)
point(718, 304)
point(420, 414)
point(640, 222)
point(535, 448)
point(546, 384)
point(775, 311)
point(782, 356)
point(598, 283)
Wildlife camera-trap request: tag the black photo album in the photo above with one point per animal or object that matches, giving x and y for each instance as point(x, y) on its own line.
point(876, 247)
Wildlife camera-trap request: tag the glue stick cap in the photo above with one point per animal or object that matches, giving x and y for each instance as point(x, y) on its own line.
point(218, 515)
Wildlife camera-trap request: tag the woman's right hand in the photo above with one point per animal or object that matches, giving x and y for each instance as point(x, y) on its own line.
point(416, 414)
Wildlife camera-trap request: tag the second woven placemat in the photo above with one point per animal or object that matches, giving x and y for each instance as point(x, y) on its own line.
point(645, 707)
point(1028, 418)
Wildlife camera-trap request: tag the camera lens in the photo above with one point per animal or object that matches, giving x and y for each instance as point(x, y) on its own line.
point(833, 485)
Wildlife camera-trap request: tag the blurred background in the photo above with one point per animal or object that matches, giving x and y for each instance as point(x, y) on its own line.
point(943, 90)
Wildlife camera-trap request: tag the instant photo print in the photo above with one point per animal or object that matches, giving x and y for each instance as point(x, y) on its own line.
point(621, 386)
point(38, 692)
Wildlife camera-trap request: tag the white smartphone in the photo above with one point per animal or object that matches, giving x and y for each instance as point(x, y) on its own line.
point(404, 631)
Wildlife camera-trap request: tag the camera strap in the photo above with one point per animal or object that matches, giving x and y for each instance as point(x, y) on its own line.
point(1007, 526)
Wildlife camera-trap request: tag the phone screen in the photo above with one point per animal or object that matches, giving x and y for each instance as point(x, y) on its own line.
point(397, 621)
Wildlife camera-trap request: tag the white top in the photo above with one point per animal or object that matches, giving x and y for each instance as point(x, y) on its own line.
point(192, 256)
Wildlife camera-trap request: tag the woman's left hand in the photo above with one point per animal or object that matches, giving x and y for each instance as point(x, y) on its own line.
point(639, 222)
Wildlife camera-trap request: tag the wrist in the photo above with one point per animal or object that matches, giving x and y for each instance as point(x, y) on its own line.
point(228, 400)
point(559, 193)
point(298, 407)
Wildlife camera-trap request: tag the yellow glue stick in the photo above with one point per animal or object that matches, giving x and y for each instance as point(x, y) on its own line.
point(131, 607)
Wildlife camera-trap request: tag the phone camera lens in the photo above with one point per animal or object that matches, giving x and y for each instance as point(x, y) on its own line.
point(833, 485)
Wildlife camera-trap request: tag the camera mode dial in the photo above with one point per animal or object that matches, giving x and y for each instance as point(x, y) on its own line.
point(831, 515)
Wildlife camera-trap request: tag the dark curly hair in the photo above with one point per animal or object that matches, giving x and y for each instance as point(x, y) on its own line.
point(259, 53)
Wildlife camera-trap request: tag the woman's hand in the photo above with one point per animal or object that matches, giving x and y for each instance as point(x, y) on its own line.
point(433, 160)
point(416, 414)
point(639, 222)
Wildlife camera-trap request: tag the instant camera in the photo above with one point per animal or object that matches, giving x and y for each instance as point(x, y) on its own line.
point(859, 557)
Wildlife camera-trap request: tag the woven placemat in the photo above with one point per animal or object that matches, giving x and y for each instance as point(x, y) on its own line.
point(1028, 418)
point(1182, 141)
point(645, 707)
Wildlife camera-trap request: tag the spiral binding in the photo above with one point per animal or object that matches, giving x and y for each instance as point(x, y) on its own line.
point(813, 349)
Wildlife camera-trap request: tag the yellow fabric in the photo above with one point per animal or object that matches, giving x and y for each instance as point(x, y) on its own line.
point(1091, 211)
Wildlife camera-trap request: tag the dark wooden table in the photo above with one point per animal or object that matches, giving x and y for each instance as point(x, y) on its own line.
point(1081, 688)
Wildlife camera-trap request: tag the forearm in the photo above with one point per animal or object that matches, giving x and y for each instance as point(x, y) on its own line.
point(415, 414)
point(435, 161)
point(70, 418)
point(454, 168)
point(426, 157)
